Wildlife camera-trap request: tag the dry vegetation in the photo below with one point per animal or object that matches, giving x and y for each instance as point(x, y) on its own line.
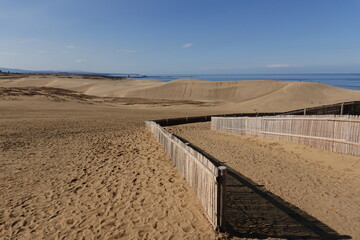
point(60, 94)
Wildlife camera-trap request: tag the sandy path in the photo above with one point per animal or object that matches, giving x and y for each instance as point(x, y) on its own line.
point(88, 173)
point(326, 185)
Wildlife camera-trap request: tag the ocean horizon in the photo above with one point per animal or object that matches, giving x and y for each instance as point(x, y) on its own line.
point(343, 80)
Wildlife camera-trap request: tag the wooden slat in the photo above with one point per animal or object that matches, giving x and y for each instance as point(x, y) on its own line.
point(333, 133)
point(196, 169)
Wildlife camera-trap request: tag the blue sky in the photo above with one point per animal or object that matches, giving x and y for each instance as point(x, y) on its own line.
point(181, 36)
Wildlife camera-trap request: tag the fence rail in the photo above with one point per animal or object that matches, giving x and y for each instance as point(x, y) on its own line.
point(207, 180)
point(343, 108)
point(329, 132)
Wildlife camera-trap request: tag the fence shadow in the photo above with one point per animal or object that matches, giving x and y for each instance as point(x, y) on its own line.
point(253, 212)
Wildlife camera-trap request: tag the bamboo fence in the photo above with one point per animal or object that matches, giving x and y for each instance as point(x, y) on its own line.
point(196, 169)
point(329, 132)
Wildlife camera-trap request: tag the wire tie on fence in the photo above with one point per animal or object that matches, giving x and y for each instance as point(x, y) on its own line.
point(223, 171)
point(224, 174)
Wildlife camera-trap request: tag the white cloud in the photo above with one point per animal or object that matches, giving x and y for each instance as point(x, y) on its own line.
point(127, 51)
point(79, 60)
point(70, 46)
point(279, 65)
point(187, 45)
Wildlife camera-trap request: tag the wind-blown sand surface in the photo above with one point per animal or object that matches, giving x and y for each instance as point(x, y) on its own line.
point(77, 171)
point(74, 166)
point(232, 96)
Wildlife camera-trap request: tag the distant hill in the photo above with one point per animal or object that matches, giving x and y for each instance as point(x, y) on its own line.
point(15, 70)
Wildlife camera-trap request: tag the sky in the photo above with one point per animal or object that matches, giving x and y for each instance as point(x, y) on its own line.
point(181, 36)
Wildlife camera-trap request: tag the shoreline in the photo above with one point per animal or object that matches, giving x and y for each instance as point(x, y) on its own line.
point(349, 81)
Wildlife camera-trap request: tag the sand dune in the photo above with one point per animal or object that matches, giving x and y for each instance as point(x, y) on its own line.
point(76, 166)
point(260, 95)
point(234, 91)
point(234, 96)
point(103, 87)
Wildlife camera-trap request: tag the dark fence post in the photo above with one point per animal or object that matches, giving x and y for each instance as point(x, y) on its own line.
point(351, 108)
point(221, 180)
point(342, 109)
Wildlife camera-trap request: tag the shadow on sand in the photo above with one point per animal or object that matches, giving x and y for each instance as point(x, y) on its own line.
point(253, 212)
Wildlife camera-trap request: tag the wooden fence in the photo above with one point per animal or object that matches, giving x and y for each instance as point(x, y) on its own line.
point(203, 176)
point(329, 132)
point(343, 108)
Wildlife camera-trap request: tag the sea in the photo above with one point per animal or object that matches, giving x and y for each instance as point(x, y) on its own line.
point(348, 80)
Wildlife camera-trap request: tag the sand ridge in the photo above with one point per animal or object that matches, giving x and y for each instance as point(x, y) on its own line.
point(233, 96)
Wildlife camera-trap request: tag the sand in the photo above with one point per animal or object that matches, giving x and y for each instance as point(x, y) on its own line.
point(232, 96)
point(324, 184)
point(84, 172)
point(75, 166)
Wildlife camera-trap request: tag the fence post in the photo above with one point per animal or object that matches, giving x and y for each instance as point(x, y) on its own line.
point(342, 109)
point(305, 111)
point(221, 180)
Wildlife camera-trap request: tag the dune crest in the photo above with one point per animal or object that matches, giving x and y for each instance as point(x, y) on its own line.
point(260, 95)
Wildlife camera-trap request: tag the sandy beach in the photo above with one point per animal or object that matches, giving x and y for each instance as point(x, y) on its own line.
point(77, 163)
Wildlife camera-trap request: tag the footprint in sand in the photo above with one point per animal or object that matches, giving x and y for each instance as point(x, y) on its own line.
point(70, 221)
